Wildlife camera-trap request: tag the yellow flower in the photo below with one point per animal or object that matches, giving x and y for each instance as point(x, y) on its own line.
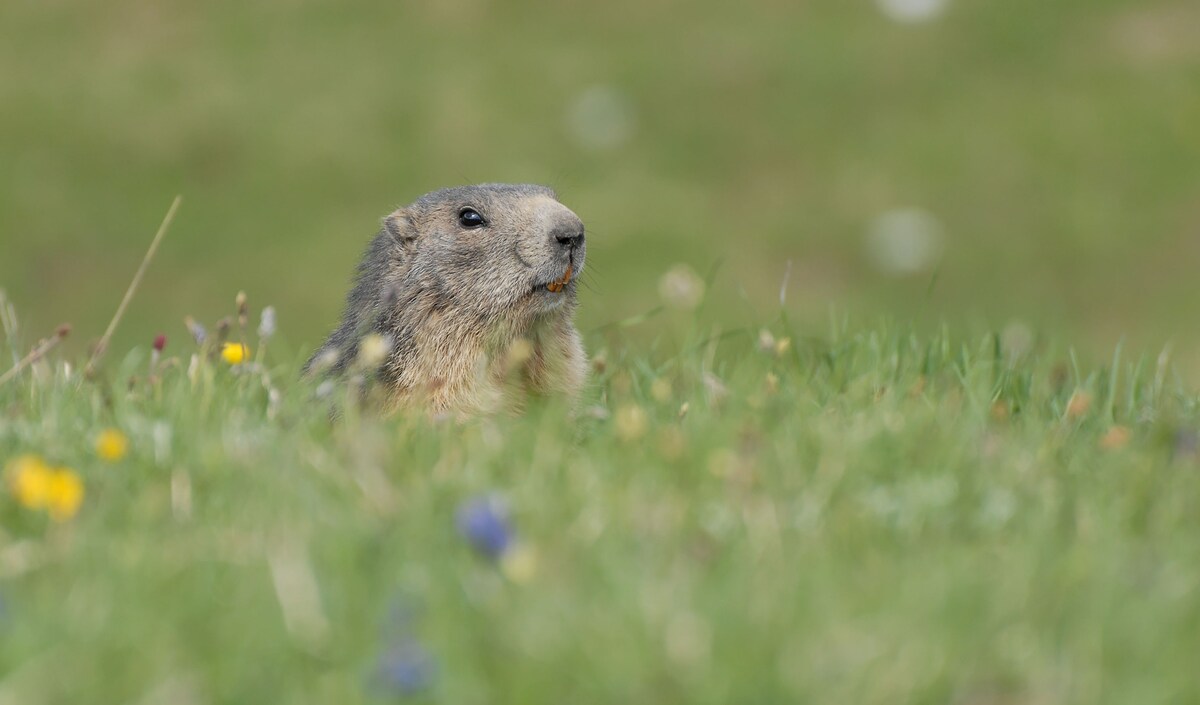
point(372, 349)
point(630, 422)
point(111, 445)
point(519, 564)
point(235, 353)
point(39, 486)
point(64, 494)
point(29, 478)
point(660, 389)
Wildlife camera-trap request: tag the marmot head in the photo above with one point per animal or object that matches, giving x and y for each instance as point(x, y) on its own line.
point(493, 248)
point(451, 282)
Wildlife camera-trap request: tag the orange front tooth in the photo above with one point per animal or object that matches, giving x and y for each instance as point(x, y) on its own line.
point(558, 284)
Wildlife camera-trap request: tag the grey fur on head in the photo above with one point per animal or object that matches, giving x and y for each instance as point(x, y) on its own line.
point(459, 297)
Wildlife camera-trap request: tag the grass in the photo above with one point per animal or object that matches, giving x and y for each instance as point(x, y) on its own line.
point(864, 515)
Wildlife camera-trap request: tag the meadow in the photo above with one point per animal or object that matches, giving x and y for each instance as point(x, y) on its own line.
point(773, 514)
point(892, 326)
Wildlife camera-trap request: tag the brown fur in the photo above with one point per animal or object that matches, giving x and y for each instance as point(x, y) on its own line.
point(471, 324)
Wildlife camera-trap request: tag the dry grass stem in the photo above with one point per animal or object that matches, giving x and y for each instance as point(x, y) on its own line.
point(37, 353)
point(98, 353)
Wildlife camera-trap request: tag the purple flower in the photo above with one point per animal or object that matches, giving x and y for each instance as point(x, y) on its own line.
point(406, 668)
point(484, 523)
point(1187, 444)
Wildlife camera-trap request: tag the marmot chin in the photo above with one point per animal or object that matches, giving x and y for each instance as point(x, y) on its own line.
point(473, 289)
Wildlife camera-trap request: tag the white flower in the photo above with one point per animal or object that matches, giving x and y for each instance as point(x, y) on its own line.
point(680, 287)
point(912, 11)
point(905, 241)
point(601, 117)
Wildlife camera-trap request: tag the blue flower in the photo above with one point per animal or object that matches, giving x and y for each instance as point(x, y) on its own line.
point(484, 523)
point(406, 668)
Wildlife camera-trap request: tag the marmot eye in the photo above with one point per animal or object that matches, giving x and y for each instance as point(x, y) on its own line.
point(470, 218)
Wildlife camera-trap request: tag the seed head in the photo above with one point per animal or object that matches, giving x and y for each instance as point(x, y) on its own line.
point(266, 323)
point(199, 334)
point(373, 349)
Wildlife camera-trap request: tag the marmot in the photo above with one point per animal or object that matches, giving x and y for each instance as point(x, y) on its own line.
point(473, 289)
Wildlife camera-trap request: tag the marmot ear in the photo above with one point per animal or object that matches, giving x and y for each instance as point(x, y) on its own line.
point(400, 226)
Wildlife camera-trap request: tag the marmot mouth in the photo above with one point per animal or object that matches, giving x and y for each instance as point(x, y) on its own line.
point(559, 284)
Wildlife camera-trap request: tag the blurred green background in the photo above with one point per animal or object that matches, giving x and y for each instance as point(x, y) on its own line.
point(974, 161)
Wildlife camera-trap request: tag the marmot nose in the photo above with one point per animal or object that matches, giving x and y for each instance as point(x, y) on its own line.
point(569, 237)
